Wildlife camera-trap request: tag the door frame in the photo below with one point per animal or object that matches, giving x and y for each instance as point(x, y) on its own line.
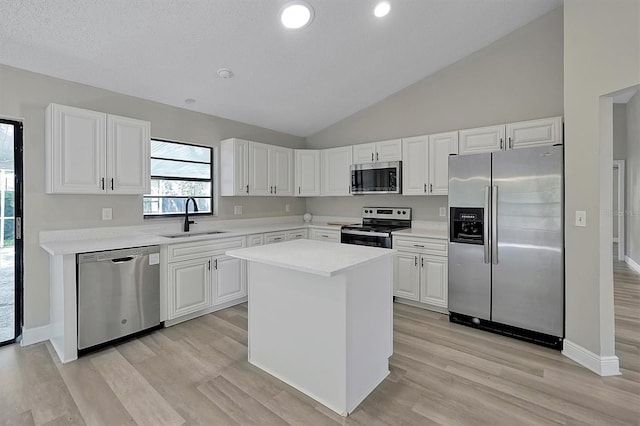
point(18, 144)
point(619, 164)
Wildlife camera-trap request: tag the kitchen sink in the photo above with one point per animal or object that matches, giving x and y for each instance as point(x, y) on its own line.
point(193, 234)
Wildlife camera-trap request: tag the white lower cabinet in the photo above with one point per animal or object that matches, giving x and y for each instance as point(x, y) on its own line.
point(420, 271)
point(200, 278)
point(324, 235)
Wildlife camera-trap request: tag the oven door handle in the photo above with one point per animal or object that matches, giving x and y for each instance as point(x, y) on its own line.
point(365, 233)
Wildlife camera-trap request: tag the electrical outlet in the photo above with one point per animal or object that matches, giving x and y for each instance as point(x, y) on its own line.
point(287, 208)
point(581, 218)
point(107, 213)
point(237, 209)
point(443, 212)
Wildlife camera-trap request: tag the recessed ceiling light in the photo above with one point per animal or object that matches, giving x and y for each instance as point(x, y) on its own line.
point(296, 14)
point(382, 9)
point(189, 101)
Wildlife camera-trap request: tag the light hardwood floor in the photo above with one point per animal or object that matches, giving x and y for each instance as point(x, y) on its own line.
point(441, 373)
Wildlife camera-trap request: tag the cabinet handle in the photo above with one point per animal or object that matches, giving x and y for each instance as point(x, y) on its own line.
point(425, 188)
point(422, 262)
point(298, 190)
point(430, 188)
point(215, 264)
point(112, 184)
point(415, 260)
point(271, 190)
point(102, 183)
point(510, 143)
point(501, 143)
point(377, 157)
point(418, 245)
point(209, 264)
point(372, 156)
point(275, 189)
point(247, 189)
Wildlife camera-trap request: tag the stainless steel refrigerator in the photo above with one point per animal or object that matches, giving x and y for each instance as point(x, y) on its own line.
point(506, 244)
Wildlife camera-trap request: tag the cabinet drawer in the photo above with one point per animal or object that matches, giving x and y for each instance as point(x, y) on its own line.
point(421, 245)
point(297, 234)
point(255, 240)
point(325, 235)
point(183, 251)
point(274, 237)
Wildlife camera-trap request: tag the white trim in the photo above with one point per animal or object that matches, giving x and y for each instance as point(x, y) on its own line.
point(12, 118)
point(601, 365)
point(619, 164)
point(632, 264)
point(34, 335)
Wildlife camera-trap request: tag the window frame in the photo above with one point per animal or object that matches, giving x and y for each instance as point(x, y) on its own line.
point(212, 170)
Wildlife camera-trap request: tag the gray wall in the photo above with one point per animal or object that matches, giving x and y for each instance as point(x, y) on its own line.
point(519, 77)
point(632, 185)
point(619, 131)
point(25, 94)
point(601, 56)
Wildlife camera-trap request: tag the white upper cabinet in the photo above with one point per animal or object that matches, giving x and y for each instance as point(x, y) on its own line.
point(336, 171)
point(425, 169)
point(525, 134)
point(307, 174)
point(234, 165)
point(89, 152)
point(441, 145)
point(390, 150)
point(482, 139)
point(281, 171)
point(253, 168)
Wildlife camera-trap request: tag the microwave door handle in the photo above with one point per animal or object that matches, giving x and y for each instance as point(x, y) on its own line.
point(485, 231)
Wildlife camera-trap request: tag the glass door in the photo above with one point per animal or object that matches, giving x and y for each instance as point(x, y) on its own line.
point(10, 230)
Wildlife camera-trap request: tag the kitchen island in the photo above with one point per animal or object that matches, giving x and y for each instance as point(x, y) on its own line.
point(320, 317)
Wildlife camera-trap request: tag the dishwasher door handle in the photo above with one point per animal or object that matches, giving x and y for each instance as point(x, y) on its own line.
point(123, 259)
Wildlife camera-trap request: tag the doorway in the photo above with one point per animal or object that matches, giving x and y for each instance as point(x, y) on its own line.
point(11, 247)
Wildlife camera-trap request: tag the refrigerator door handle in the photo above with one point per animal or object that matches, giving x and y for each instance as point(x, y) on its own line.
point(485, 232)
point(494, 225)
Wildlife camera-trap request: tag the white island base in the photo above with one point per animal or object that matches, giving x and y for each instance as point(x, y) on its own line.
point(326, 332)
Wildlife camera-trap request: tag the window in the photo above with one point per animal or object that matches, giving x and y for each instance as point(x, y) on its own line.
point(179, 171)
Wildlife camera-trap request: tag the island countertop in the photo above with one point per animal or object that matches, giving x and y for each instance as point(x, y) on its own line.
point(314, 257)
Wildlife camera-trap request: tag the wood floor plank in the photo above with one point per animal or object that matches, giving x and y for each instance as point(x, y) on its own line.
point(141, 400)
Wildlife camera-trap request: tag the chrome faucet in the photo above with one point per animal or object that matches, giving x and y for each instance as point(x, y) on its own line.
point(187, 222)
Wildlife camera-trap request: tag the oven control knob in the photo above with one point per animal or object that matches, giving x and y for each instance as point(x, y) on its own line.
point(404, 212)
point(398, 212)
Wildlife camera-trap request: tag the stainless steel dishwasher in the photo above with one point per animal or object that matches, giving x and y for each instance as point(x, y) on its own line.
point(118, 294)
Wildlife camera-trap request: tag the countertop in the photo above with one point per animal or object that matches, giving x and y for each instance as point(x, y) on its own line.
point(99, 240)
point(313, 257)
point(425, 232)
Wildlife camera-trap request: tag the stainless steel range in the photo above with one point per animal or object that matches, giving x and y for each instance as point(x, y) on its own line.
point(377, 225)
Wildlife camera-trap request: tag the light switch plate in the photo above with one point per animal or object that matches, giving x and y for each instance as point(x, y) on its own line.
point(443, 212)
point(107, 213)
point(237, 209)
point(581, 218)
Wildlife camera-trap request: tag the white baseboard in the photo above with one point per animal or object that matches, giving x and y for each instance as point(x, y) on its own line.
point(632, 264)
point(34, 335)
point(601, 365)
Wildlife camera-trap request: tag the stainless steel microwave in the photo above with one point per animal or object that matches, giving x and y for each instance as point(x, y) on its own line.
point(377, 178)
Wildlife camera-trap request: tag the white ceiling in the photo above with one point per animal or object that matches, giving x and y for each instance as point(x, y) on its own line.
point(297, 82)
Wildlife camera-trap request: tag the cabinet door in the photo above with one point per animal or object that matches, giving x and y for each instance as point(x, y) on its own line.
point(234, 167)
point(281, 170)
point(274, 237)
point(189, 284)
point(230, 280)
point(525, 134)
point(364, 153)
point(482, 139)
point(414, 166)
point(298, 234)
point(258, 169)
point(75, 147)
point(390, 150)
point(336, 171)
point(406, 276)
point(440, 146)
point(307, 176)
point(128, 155)
point(433, 280)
